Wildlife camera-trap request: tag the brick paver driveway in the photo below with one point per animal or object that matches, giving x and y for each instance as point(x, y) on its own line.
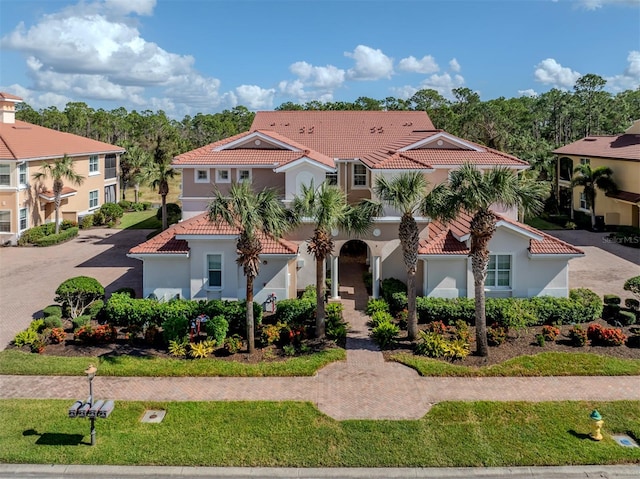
point(29, 276)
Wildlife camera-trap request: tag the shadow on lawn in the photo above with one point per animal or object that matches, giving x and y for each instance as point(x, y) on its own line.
point(579, 435)
point(55, 439)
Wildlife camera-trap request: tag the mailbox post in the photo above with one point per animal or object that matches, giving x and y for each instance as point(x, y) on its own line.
point(91, 373)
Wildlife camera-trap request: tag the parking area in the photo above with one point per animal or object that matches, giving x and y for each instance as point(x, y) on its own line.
point(29, 276)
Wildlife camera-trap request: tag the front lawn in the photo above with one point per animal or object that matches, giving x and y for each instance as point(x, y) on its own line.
point(140, 220)
point(295, 434)
point(542, 224)
point(14, 361)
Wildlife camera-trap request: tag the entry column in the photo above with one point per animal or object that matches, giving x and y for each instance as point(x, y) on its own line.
point(375, 277)
point(334, 277)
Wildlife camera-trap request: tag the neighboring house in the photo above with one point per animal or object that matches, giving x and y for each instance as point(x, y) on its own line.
point(286, 149)
point(621, 153)
point(24, 148)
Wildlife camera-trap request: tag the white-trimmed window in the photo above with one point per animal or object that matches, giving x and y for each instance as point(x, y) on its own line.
point(24, 222)
point(499, 271)
point(359, 175)
point(201, 176)
point(22, 174)
point(214, 270)
point(583, 201)
point(244, 175)
point(94, 165)
point(332, 178)
point(223, 176)
point(110, 166)
point(93, 199)
point(5, 175)
point(585, 161)
point(5, 221)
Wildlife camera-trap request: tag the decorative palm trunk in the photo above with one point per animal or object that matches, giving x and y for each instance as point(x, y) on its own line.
point(249, 249)
point(136, 192)
point(250, 320)
point(483, 226)
point(320, 246)
point(409, 237)
point(164, 191)
point(57, 194)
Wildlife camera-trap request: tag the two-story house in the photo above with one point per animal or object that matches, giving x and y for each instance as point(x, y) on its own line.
point(24, 148)
point(621, 153)
point(286, 149)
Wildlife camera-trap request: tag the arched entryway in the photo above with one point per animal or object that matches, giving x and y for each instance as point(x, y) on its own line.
point(353, 268)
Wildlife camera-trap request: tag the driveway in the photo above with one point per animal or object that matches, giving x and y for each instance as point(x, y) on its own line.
point(29, 276)
point(605, 266)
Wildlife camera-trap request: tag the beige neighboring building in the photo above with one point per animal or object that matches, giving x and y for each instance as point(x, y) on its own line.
point(24, 148)
point(621, 153)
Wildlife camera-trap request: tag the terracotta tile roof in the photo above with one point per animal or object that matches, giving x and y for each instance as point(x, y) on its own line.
point(24, 141)
point(8, 96)
point(167, 243)
point(441, 239)
point(621, 147)
point(48, 195)
point(627, 196)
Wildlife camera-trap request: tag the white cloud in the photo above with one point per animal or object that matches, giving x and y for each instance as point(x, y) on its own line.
point(630, 79)
point(254, 97)
point(550, 72)
point(443, 84)
point(328, 77)
point(404, 92)
point(528, 92)
point(371, 64)
point(454, 66)
point(124, 7)
point(596, 4)
point(425, 65)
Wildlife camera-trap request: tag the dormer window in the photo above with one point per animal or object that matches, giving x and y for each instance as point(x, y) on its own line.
point(201, 176)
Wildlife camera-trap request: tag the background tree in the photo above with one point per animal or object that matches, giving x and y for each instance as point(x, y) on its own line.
point(157, 175)
point(592, 180)
point(59, 170)
point(254, 213)
point(471, 191)
point(328, 208)
point(132, 166)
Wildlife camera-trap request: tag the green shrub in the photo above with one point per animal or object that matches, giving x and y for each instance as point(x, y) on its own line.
point(633, 285)
point(632, 303)
point(112, 212)
point(394, 292)
point(146, 205)
point(174, 213)
point(611, 299)
point(296, 312)
point(25, 338)
point(52, 310)
point(175, 327)
point(496, 335)
point(124, 204)
point(431, 344)
point(95, 309)
point(374, 305)
point(130, 291)
point(78, 293)
point(217, 327)
point(51, 322)
point(232, 344)
point(52, 239)
point(627, 318)
point(37, 325)
point(178, 347)
point(81, 321)
point(367, 279)
point(446, 310)
point(610, 312)
point(123, 310)
point(98, 218)
point(540, 340)
point(87, 222)
point(512, 313)
point(385, 334)
point(137, 207)
point(380, 317)
point(336, 326)
point(235, 312)
point(578, 336)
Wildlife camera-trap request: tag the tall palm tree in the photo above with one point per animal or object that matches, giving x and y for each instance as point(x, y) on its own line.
point(132, 164)
point(471, 191)
point(158, 175)
point(253, 213)
point(591, 180)
point(328, 208)
point(59, 171)
point(406, 193)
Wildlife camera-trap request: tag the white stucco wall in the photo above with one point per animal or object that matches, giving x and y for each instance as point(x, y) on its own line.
point(302, 173)
point(445, 277)
point(166, 276)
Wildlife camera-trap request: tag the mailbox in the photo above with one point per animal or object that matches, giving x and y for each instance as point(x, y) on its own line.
point(83, 410)
point(106, 409)
point(93, 411)
point(73, 410)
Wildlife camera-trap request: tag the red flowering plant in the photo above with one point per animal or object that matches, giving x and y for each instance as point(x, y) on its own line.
point(605, 336)
point(57, 335)
point(437, 327)
point(550, 333)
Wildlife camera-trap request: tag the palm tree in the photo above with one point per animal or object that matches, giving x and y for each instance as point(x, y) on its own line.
point(328, 208)
point(132, 165)
point(158, 175)
point(590, 180)
point(59, 170)
point(406, 193)
point(254, 214)
point(474, 192)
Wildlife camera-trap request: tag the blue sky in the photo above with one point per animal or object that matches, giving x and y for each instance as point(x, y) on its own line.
point(192, 56)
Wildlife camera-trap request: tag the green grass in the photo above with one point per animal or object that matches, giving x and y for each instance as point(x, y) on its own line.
point(140, 220)
point(18, 362)
point(543, 364)
point(295, 434)
point(541, 224)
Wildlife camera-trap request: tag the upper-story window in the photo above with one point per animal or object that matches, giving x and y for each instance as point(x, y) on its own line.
point(22, 174)
point(94, 165)
point(5, 175)
point(201, 176)
point(566, 168)
point(332, 178)
point(244, 175)
point(359, 175)
point(109, 166)
point(223, 176)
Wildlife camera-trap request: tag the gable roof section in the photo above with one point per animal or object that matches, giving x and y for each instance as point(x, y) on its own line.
point(171, 241)
point(25, 141)
point(621, 147)
point(442, 239)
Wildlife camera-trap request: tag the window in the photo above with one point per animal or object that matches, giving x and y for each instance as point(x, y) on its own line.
point(22, 174)
point(93, 199)
point(566, 168)
point(201, 176)
point(110, 166)
point(24, 224)
point(5, 221)
point(223, 176)
point(359, 175)
point(332, 178)
point(499, 271)
point(214, 268)
point(244, 175)
point(583, 201)
point(94, 165)
point(585, 161)
point(5, 175)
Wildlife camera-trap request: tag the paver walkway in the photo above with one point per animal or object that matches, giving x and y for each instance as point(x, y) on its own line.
point(362, 387)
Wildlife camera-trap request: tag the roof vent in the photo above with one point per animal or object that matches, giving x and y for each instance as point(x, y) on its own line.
point(311, 129)
point(273, 123)
point(380, 129)
point(286, 124)
point(302, 128)
point(373, 129)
